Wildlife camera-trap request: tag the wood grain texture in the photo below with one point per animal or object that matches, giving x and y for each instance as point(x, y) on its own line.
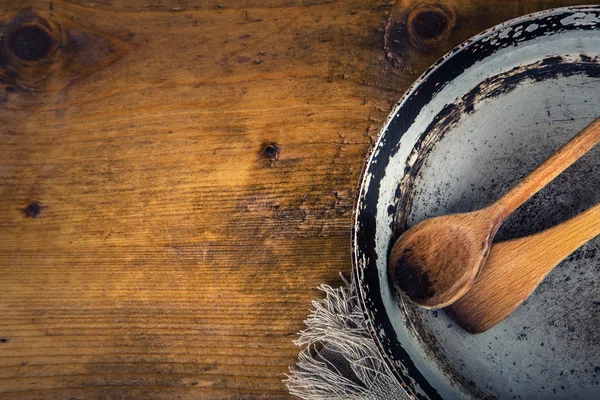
point(516, 267)
point(177, 177)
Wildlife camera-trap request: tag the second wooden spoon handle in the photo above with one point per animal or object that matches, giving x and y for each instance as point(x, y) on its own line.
point(549, 169)
point(565, 238)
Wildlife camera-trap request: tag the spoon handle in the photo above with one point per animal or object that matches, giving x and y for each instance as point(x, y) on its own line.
point(556, 243)
point(549, 169)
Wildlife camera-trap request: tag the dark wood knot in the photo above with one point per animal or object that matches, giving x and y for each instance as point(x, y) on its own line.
point(36, 45)
point(429, 25)
point(33, 210)
point(28, 50)
point(28, 38)
point(410, 32)
point(30, 43)
point(270, 151)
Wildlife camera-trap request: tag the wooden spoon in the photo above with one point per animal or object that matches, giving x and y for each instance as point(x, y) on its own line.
point(516, 267)
point(436, 261)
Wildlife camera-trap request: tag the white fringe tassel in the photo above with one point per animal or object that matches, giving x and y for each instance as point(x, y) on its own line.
point(340, 359)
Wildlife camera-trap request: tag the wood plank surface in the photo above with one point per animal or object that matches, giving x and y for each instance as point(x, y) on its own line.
point(177, 178)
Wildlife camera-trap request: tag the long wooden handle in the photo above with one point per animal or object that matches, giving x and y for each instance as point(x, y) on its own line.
point(558, 242)
point(549, 169)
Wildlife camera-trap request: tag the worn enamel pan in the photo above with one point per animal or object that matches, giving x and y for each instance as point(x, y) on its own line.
point(474, 124)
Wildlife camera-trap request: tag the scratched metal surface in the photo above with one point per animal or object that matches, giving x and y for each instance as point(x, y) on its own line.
point(469, 129)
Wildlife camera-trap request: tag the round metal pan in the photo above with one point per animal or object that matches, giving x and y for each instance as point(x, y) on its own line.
point(471, 127)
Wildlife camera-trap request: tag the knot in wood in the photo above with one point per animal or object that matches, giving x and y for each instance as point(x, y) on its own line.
point(28, 38)
point(28, 49)
point(42, 51)
point(33, 210)
point(270, 151)
point(410, 32)
point(428, 26)
point(30, 42)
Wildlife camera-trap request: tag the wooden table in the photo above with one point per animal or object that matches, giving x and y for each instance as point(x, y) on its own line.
point(177, 178)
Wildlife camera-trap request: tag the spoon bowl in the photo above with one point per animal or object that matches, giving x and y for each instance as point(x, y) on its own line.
point(453, 241)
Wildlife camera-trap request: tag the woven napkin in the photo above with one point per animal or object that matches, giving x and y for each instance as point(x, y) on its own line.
point(339, 358)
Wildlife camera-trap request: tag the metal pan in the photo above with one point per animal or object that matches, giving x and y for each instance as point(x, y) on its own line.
point(473, 125)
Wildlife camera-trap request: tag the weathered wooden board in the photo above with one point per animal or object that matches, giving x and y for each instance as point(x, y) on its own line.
point(177, 178)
